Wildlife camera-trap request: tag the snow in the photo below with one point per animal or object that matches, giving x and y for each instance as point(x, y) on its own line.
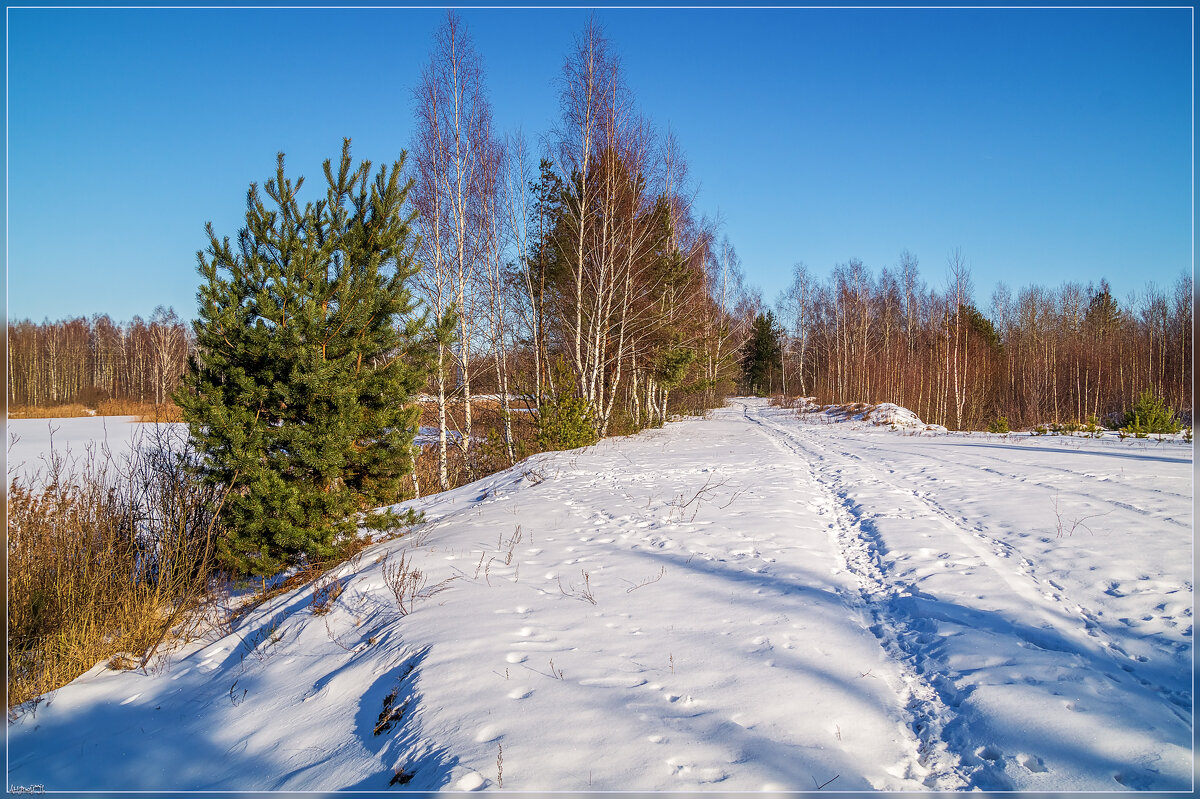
point(759, 600)
point(29, 440)
point(884, 413)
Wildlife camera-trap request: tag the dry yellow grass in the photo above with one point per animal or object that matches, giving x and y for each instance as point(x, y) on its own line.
point(52, 412)
point(91, 576)
point(144, 411)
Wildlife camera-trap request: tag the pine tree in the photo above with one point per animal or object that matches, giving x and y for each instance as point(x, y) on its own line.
point(761, 354)
point(300, 396)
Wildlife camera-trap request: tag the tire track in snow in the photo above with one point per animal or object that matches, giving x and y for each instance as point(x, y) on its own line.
point(937, 766)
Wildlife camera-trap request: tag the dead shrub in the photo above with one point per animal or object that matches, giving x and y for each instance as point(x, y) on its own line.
point(408, 583)
point(105, 558)
point(325, 591)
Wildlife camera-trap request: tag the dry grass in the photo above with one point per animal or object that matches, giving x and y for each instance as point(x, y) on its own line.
point(52, 412)
point(106, 563)
point(144, 411)
point(325, 591)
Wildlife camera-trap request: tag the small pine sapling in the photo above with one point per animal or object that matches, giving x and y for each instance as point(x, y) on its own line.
point(1150, 414)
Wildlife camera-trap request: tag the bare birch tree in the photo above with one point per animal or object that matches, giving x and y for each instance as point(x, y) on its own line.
point(454, 142)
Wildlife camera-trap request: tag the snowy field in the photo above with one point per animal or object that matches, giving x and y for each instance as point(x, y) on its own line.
point(29, 440)
point(752, 601)
point(75, 439)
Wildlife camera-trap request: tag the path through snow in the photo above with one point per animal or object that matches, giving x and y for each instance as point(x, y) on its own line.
point(746, 602)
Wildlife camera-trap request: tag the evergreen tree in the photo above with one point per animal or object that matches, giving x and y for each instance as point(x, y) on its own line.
point(300, 394)
point(1103, 313)
point(761, 354)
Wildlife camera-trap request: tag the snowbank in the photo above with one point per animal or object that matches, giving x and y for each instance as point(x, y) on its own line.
point(884, 414)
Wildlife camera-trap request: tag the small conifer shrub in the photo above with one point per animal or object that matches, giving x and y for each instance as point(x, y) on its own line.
point(566, 422)
point(1150, 414)
point(999, 425)
point(300, 395)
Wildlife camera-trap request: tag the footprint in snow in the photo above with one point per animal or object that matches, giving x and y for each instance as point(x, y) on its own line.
point(743, 721)
point(685, 769)
point(488, 733)
point(988, 753)
point(1032, 763)
point(681, 699)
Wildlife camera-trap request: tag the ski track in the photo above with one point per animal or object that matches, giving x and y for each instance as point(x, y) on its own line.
point(1017, 478)
point(1089, 621)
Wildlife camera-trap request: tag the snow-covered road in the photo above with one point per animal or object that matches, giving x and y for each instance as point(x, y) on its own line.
point(750, 601)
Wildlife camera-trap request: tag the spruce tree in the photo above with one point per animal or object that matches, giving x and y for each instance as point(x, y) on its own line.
point(300, 393)
point(761, 353)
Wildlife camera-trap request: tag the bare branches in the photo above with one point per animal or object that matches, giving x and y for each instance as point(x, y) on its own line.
point(583, 592)
point(698, 498)
point(408, 584)
point(1067, 527)
point(648, 581)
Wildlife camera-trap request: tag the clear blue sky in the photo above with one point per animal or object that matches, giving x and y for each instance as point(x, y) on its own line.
point(1048, 145)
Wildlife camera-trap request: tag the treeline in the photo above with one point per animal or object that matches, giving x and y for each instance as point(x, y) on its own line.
point(1041, 355)
point(581, 287)
point(92, 361)
point(577, 286)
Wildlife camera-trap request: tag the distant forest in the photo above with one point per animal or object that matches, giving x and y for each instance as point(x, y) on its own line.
point(584, 274)
point(90, 361)
point(1041, 355)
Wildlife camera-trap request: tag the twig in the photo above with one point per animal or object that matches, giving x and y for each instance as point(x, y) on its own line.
point(584, 593)
point(662, 570)
point(1075, 523)
point(822, 785)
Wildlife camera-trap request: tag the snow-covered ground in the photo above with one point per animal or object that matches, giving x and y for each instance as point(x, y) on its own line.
point(752, 601)
point(76, 438)
point(29, 440)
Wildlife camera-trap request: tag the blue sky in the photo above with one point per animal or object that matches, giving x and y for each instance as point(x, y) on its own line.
point(1048, 145)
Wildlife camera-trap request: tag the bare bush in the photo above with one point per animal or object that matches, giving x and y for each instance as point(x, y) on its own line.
point(107, 556)
point(326, 589)
point(583, 592)
point(409, 584)
point(1067, 527)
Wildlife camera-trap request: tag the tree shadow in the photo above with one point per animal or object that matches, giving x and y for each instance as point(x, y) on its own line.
point(923, 624)
point(1184, 457)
